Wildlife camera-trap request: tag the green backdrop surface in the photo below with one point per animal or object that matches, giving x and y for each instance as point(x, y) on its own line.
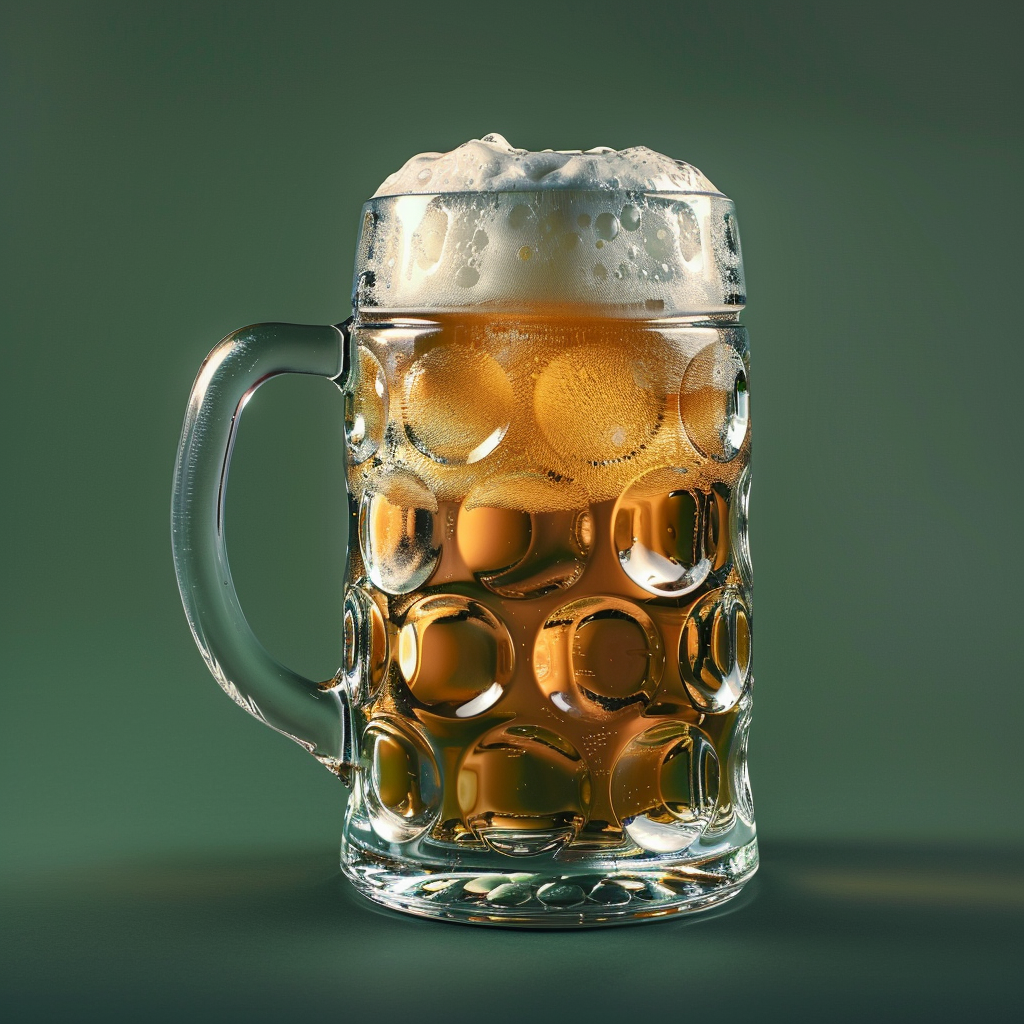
point(175, 171)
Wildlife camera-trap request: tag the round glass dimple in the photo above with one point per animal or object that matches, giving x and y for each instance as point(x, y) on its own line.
point(445, 418)
point(714, 402)
point(714, 651)
point(524, 535)
point(598, 655)
point(668, 538)
point(739, 513)
point(741, 794)
point(366, 407)
point(610, 655)
point(524, 790)
point(665, 787)
point(366, 644)
point(732, 234)
point(592, 405)
point(455, 655)
point(397, 532)
point(510, 895)
point(403, 784)
point(491, 540)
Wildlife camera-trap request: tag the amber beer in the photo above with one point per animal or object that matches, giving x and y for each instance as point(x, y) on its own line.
point(549, 611)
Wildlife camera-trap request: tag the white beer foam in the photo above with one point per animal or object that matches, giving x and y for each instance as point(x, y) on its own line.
point(491, 164)
point(487, 226)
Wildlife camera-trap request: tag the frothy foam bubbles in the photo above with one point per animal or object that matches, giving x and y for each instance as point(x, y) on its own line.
point(487, 226)
point(491, 164)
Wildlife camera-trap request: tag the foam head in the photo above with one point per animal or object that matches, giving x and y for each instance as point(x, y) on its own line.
point(486, 227)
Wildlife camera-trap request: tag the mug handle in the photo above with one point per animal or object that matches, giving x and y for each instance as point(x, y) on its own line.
point(315, 715)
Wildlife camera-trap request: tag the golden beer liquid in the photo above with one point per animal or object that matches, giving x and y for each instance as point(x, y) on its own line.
point(549, 594)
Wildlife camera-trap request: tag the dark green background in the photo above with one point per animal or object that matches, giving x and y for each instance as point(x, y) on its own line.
point(174, 171)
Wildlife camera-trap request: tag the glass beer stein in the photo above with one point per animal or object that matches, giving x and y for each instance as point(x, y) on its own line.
point(545, 699)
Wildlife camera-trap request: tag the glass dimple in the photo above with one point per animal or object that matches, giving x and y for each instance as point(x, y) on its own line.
point(714, 650)
point(606, 226)
point(739, 512)
point(455, 655)
point(598, 655)
point(403, 787)
point(714, 402)
point(665, 787)
point(492, 540)
point(366, 644)
point(397, 533)
point(732, 234)
point(689, 232)
point(668, 539)
point(610, 656)
point(592, 408)
point(444, 417)
point(429, 238)
point(524, 536)
point(366, 407)
point(742, 797)
point(524, 791)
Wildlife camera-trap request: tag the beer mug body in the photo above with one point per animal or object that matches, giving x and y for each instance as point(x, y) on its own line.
point(545, 701)
point(549, 615)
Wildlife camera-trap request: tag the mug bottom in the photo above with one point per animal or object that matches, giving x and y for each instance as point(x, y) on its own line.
point(561, 896)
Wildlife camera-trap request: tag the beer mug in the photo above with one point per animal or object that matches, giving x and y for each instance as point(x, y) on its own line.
point(545, 699)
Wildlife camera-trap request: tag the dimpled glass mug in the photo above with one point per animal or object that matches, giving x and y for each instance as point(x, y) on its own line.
point(545, 699)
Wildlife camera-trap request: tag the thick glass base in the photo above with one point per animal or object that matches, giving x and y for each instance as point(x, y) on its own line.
point(558, 896)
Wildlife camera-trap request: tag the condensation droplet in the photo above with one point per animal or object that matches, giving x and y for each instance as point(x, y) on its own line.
point(606, 226)
point(630, 218)
point(519, 216)
point(467, 277)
